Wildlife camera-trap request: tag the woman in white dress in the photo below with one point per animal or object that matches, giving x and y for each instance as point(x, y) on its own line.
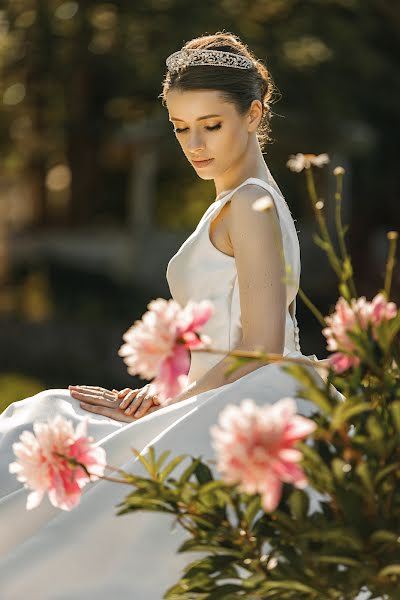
point(247, 263)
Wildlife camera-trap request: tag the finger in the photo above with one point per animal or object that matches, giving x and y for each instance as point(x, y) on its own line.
point(145, 405)
point(116, 415)
point(86, 387)
point(92, 390)
point(130, 396)
point(91, 399)
point(138, 394)
point(136, 402)
point(123, 392)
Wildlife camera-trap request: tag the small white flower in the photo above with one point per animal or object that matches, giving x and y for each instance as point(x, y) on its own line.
point(338, 171)
point(262, 204)
point(298, 162)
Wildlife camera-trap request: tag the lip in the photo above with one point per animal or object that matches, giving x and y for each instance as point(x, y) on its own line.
point(202, 163)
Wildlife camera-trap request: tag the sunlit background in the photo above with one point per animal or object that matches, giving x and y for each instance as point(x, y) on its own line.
point(96, 196)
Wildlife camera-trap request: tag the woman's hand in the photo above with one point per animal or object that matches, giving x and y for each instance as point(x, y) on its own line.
point(105, 402)
point(139, 401)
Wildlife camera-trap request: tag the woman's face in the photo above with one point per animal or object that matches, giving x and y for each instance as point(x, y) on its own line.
point(207, 127)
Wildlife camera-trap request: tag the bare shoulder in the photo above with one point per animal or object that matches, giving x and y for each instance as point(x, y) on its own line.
point(242, 202)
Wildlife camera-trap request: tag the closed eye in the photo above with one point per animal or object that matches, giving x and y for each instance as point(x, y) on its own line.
point(210, 128)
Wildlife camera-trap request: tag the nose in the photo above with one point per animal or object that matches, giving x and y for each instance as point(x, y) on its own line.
point(195, 143)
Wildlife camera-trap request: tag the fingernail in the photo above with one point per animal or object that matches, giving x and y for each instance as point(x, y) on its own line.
point(128, 410)
point(122, 405)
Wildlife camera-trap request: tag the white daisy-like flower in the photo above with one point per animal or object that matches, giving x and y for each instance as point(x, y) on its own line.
point(298, 162)
point(262, 204)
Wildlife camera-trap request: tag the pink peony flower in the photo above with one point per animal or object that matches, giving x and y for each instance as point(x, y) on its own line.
point(158, 345)
point(381, 310)
point(353, 317)
point(341, 362)
point(40, 468)
point(254, 447)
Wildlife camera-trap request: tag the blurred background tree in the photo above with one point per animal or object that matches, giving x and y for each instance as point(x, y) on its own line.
point(96, 196)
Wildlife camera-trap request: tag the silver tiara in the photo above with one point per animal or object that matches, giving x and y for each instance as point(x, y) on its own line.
point(217, 58)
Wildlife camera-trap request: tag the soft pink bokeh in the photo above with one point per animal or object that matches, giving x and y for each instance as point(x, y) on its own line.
point(157, 346)
point(41, 470)
point(255, 447)
point(352, 317)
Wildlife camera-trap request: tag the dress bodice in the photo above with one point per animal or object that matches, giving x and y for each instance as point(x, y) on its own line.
point(199, 271)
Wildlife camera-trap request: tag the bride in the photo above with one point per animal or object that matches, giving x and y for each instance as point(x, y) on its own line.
point(247, 262)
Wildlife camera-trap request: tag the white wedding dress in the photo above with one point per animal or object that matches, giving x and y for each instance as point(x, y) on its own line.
point(89, 553)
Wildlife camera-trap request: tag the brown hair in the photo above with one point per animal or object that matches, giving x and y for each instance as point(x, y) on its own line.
point(239, 86)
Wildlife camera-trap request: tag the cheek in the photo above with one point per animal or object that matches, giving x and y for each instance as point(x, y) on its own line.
point(231, 144)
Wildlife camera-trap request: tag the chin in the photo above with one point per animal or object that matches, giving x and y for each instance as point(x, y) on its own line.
point(205, 176)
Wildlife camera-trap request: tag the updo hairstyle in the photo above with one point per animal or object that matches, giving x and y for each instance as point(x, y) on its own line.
point(238, 86)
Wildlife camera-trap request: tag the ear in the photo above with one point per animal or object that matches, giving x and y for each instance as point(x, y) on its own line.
point(254, 115)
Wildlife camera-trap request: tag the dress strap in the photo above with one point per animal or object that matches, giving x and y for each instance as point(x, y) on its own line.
point(275, 193)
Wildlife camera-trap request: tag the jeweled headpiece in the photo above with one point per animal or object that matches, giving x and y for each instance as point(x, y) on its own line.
point(217, 58)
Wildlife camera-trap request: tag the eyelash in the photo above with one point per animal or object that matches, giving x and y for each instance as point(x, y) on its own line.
point(213, 128)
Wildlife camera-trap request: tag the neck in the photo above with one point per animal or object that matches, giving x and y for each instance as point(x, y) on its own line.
point(251, 164)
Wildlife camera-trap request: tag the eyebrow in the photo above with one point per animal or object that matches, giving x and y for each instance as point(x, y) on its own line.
point(199, 119)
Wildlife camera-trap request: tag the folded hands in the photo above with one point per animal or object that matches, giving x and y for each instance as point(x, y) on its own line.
point(125, 405)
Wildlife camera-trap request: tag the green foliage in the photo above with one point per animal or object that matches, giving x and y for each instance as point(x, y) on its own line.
point(351, 541)
point(292, 553)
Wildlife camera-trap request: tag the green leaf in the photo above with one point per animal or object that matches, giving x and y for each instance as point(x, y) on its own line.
point(386, 471)
point(172, 465)
point(144, 462)
point(311, 390)
point(189, 471)
point(345, 411)
point(383, 536)
point(212, 486)
point(253, 581)
point(225, 592)
point(395, 410)
point(337, 468)
point(362, 470)
point(389, 570)
point(340, 536)
point(205, 523)
point(203, 473)
point(196, 546)
point(133, 503)
point(212, 494)
point(295, 586)
point(375, 428)
point(162, 458)
point(338, 560)
point(252, 509)
point(201, 582)
point(317, 467)
point(299, 504)
point(286, 522)
point(152, 455)
point(210, 564)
